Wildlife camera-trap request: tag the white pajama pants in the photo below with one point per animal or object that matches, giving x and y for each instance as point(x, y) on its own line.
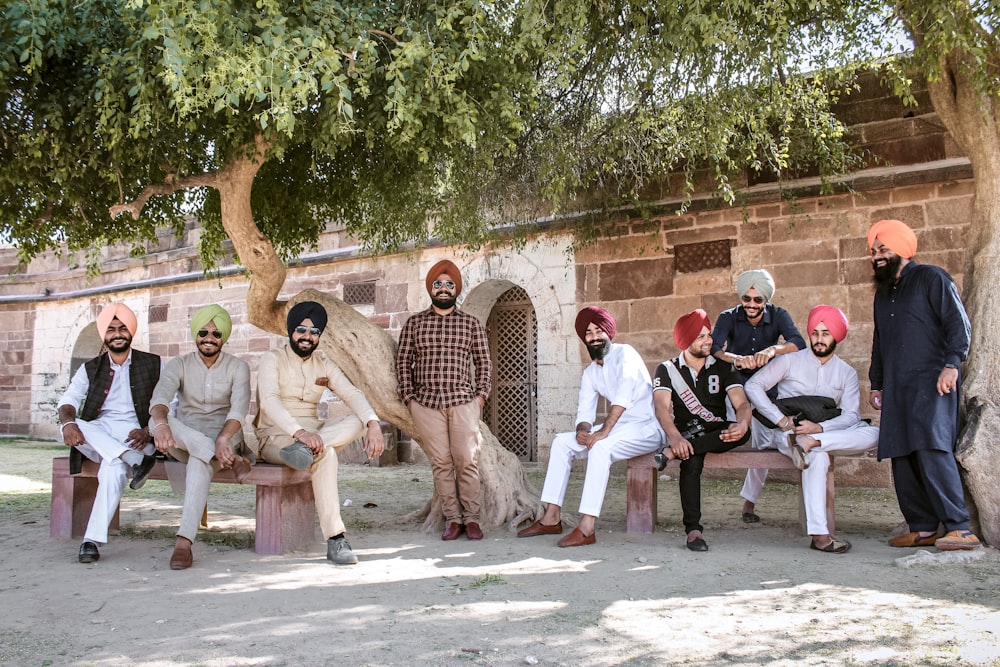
point(760, 438)
point(857, 439)
point(624, 442)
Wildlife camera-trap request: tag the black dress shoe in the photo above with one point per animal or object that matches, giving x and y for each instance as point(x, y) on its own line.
point(697, 544)
point(89, 553)
point(140, 471)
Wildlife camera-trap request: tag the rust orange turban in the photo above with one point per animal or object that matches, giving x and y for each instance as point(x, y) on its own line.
point(896, 236)
point(595, 315)
point(689, 326)
point(832, 317)
point(118, 311)
point(444, 266)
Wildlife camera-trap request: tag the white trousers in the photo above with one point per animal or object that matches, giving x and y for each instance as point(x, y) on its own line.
point(858, 439)
point(624, 442)
point(105, 444)
point(760, 438)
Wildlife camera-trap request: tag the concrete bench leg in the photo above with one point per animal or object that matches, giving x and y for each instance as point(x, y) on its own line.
point(72, 502)
point(640, 498)
point(286, 518)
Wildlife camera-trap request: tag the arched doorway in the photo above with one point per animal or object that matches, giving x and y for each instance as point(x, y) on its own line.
point(511, 409)
point(88, 345)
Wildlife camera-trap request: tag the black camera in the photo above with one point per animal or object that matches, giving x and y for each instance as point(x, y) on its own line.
point(694, 429)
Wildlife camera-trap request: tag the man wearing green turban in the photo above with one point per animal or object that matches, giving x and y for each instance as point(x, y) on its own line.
point(212, 389)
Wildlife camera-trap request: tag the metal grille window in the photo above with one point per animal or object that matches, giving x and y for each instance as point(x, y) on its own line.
point(360, 294)
point(691, 257)
point(158, 313)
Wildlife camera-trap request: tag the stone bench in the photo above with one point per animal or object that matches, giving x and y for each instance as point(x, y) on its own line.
point(642, 476)
point(285, 512)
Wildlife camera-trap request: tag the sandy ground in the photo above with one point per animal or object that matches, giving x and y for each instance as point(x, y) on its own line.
point(759, 596)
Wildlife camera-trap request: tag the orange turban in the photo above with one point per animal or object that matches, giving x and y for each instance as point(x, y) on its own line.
point(832, 317)
point(896, 236)
point(595, 315)
point(118, 311)
point(689, 326)
point(444, 266)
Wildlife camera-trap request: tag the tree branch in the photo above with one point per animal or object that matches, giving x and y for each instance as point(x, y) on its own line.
point(167, 188)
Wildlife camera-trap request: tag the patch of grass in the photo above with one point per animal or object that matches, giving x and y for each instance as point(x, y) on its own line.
point(487, 580)
point(16, 503)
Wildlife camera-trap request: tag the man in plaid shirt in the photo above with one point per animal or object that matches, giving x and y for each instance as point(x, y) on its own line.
point(438, 349)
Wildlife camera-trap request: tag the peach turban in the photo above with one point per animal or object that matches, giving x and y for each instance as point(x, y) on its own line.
point(444, 266)
point(896, 236)
point(118, 311)
point(595, 315)
point(689, 326)
point(832, 317)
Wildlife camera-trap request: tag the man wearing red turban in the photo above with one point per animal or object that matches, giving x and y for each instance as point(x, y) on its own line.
point(104, 415)
point(922, 335)
point(817, 373)
point(691, 397)
point(617, 373)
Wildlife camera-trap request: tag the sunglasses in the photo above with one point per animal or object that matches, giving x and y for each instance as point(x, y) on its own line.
point(313, 331)
point(755, 299)
point(438, 284)
point(216, 334)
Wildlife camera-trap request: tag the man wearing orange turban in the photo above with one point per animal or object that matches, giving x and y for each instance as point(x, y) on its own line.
point(104, 416)
point(922, 335)
point(690, 395)
point(618, 374)
point(816, 373)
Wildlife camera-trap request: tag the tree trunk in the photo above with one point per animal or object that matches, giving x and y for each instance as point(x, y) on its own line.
point(973, 119)
point(365, 352)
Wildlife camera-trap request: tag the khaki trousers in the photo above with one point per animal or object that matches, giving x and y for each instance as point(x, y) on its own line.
point(337, 433)
point(452, 441)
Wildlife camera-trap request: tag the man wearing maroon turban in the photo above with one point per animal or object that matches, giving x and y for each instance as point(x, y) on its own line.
point(692, 394)
point(617, 373)
point(922, 335)
point(817, 372)
point(104, 415)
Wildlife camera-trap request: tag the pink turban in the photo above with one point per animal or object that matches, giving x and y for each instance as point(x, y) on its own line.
point(118, 311)
point(595, 315)
point(832, 317)
point(444, 266)
point(896, 236)
point(689, 326)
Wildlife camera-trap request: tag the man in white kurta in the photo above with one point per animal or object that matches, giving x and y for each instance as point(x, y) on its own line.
point(290, 386)
point(817, 371)
point(617, 373)
point(212, 391)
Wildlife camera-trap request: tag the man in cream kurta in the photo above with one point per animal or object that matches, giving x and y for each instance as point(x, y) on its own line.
point(290, 385)
point(212, 389)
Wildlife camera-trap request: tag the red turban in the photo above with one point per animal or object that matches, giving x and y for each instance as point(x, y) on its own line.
point(689, 326)
point(444, 266)
point(595, 315)
point(118, 311)
point(832, 317)
point(896, 236)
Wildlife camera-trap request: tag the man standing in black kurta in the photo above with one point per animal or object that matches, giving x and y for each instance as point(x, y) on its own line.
point(922, 335)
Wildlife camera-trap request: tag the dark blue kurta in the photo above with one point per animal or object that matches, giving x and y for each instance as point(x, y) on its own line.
point(920, 325)
point(734, 333)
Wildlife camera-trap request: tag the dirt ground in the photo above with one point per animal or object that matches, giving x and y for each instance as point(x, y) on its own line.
point(759, 596)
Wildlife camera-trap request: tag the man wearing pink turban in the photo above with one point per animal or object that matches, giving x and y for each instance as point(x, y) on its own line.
point(692, 394)
point(836, 428)
point(104, 415)
point(617, 373)
point(922, 335)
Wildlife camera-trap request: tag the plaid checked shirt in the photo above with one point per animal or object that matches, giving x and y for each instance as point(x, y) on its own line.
point(436, 358)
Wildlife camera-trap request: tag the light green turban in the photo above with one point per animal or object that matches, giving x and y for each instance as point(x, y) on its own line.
point(758, 278)
point(216, 313)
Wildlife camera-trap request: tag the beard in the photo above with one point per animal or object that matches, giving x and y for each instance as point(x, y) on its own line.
point(599, 351)
point(209, 351)
point(118, 344)
point(825, 351)
point(304, 351)
point(443, 302)
point(885, 275)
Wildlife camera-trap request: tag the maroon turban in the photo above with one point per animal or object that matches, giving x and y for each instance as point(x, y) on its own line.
point(832, 317)
point(444, 266)
point(595, 315)
point(689, 326)
point(896, 236)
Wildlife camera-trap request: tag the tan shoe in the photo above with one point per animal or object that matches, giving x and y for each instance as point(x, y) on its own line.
point(181, 559)
point(241, 469)
point(577, 539)
point(958, 540)
point(539, 528)
point(913, 539)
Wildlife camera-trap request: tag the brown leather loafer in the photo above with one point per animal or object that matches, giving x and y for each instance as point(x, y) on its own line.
point(241, 469)
point(913, 539)
point(452, 531)
point(181, 559)
point(577, 539)
point(473, 531)
point(539, 528)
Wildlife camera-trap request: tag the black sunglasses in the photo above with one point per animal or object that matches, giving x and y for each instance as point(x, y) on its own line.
point(216, 334)
point(313, 331)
